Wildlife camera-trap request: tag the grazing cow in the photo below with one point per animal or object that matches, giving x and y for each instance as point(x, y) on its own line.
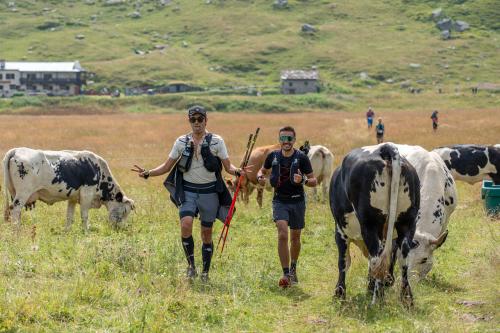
point(472, 163)
point(374, 191)
point(250, 182)
point(51, 176)
point(438, 198)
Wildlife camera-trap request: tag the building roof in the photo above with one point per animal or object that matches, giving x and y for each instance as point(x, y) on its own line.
point(299, 75)
point(44, 66)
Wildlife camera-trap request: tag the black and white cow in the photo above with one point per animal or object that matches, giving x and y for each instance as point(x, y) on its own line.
point(438, 199)
point(373, 192)
point(472, 163)
point(51, 176)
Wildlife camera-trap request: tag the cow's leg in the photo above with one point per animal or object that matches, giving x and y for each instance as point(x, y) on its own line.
point(260, 194)
point(406, 293)
point(389, 279)
point(324, 188)
point(405, 230)
point(315, 193)
point(343, 263)
point(370, 237)
point(84, 213)
point(70, 214)
point(15, 209)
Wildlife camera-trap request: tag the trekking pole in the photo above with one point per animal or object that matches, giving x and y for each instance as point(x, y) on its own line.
point(236, 190)
point(229, 217)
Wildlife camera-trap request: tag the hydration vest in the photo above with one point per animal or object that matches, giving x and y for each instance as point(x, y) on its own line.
point(210, 162)
point(274, 178)
point(174, 181)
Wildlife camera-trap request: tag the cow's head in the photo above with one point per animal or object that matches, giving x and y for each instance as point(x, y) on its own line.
point(119, 209)
point(305, 147)
point(420, 258)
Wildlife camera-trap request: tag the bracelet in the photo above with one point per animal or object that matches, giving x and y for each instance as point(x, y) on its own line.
point(146, 174)
point(304, 180)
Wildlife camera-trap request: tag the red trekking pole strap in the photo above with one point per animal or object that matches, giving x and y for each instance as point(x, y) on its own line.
point(229, 217)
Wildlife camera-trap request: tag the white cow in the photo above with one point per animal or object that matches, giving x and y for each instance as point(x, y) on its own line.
point(322, 164)
point(438, 199)
point(51, 176)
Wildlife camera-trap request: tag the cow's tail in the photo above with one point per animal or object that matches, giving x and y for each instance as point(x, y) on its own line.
point(390, 153)
point(6, 183)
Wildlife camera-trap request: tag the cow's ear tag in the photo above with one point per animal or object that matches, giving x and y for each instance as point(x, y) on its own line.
point(119, 197)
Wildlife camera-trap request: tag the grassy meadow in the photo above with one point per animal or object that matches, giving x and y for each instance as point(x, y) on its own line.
point(132, 280)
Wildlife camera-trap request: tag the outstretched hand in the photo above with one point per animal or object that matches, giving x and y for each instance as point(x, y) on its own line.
point(139, 170)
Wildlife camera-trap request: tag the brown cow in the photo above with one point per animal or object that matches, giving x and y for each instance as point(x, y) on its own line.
point(250, 183)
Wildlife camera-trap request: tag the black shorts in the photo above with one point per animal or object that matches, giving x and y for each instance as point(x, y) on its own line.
point(294, 213)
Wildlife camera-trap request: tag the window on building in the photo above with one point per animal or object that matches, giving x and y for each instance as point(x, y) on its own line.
point(290, 84)
point(65, 87)
point(1, 77)
point(9, 76)
point(47, 76)
point(306, 83)
point(31, 76)
point(12, 86)
point(1, 87)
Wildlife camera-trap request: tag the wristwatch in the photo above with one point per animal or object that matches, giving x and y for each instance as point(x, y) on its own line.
point(304, 179)
point(146, 174)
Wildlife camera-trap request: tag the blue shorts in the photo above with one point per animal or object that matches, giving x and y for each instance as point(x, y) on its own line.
point(294, 213)
point(370, 121)
point(204, 204)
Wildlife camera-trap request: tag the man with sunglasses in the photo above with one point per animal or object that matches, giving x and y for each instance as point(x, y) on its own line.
point(199, 190)
point(289, 170)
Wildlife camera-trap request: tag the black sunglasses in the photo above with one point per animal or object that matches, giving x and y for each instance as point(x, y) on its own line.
point(193, 120)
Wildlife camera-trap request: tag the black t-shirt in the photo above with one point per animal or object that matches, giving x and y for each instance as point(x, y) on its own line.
point(287, 191)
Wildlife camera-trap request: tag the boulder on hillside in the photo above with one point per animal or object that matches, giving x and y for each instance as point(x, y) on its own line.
point(444, 24)
point(412, 65)
point(80, 36)
point(461, 26)
point(280, 4)
point(405, 84)
point(436, 13)
point(307, 28)
point(114, 2)
point(135, 15)
point(445, 34)
point(164, 2)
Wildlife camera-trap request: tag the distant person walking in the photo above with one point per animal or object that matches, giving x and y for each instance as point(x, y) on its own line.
point(369, 117)
point(379, 131)
point(434, 118)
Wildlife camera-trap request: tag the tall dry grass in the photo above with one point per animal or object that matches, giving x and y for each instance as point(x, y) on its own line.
point(126, 138)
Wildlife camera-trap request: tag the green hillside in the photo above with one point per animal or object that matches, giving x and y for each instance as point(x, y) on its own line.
point(215, 43)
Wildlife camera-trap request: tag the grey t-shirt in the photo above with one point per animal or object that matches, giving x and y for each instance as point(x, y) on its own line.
point(197, 173)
